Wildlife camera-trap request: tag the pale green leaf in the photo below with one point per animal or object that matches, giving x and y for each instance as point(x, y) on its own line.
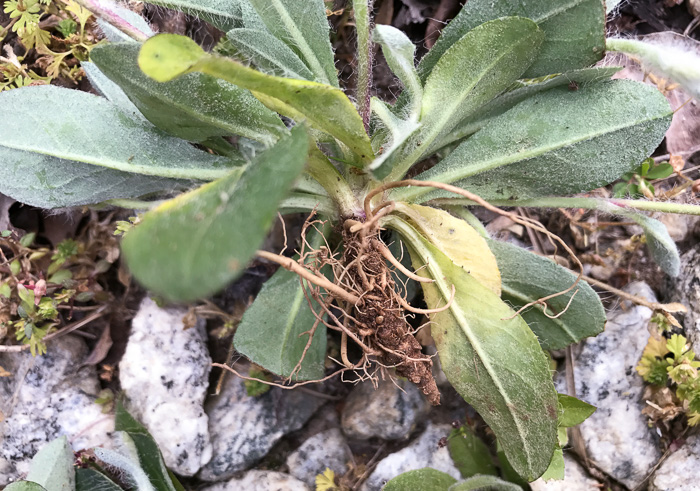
point(52, 466)
point(555, 471)
point(573, 411)
point(521, 90)
point(303, 26)
point(24, 486)
point(661, 246)
point(399, 52)
point(223, 14)
point(85, 128)
point(268, 54)
point(108, 89)
point(114, 35)
point(574, 31)
point(469, 453)
point(192, 246)
point(490, 357)
point(271, 331)
point(483, 63)
point(484, 483)
point(426, 479)
point(556, 142)
point(167, 56)
point(527, 277)
point(194, 107)
point(49, 182)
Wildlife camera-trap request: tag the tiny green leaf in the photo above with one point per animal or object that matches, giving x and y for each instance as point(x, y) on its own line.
point(573, 411)
point(469, 453)
point(426, 479)
point(555, 471)
point(195, 244)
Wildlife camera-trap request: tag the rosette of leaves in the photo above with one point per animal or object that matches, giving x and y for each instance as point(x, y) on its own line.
point(493, 98)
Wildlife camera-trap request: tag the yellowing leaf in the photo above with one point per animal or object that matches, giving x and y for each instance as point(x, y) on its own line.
point(656, 347)
point(4, 373)
point(326, 481)
point(457, 240)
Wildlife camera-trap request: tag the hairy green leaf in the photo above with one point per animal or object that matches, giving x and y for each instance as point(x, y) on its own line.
point(271, 331)
point(490, 357)
point(91, 480)
point(426, 479)
point(194, 107)
point(303, 26)
point(52, 466)
point(479, 66)
point(399, 52)
point(223, 14)
point(527, 277)
point(555, 471)
point(109, 90)
point(50, 182)
point(573, 411)
point(574, 31)
point(521, 90)
point(167, 56)
point(556, 142)
point(88, 129)
point(661, 246)
point(268, 54)
point(484, 483)
point(193, 245)
point(469, 453)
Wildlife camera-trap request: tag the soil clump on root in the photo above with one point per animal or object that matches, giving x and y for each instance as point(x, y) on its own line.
point(379, 318)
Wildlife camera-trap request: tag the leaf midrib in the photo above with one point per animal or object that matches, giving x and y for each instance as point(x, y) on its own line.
point(300, 41)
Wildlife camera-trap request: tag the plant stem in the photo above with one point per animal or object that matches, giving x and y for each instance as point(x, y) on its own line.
point(364, 57)
point(321, 169)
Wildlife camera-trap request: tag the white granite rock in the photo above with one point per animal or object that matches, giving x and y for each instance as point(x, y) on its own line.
point(617, 436)
point(165, 375)
point(681, 470)
point(387, 412)
point(46, 397)
point(244, 429)
point(260, 481)
point(327, 449)
point(423, 452)
point(686, 290)
point(575, 479)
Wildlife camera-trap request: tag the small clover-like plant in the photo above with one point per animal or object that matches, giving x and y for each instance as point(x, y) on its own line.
point(671, 363)
point(59, 49)
point(508, 103)
point(637, 184)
